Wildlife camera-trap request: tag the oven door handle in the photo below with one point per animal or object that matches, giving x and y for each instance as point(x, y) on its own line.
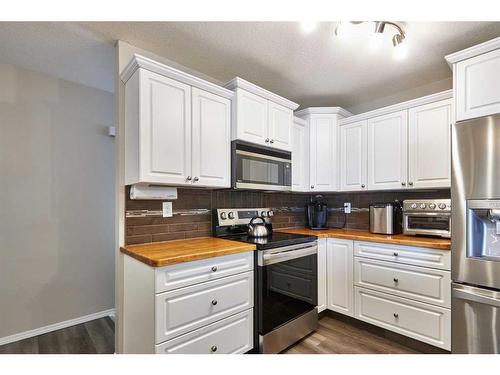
point(284, 256)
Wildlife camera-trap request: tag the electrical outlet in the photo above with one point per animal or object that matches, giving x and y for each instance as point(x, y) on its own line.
point(167, 209)
point(347, 207)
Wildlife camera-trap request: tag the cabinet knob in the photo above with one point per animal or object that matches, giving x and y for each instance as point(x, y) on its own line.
point(312, 186)
point(267, 140)
point(196, 179)
point(410, 183)
point(272, 141)
point(214, 268)
point(362, 186)
point(403, 183)
point(213, 349)
point(395, 254)
point(396, 280)
point(188, 178)
point(214, 302)
point(396, 315)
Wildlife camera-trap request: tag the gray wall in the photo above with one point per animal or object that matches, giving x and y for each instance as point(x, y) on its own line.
point(57, 179)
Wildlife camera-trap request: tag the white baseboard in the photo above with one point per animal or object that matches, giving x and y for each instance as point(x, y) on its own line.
point(55, 326)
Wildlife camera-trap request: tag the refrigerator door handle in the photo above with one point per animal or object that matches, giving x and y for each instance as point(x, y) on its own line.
point(464, 294)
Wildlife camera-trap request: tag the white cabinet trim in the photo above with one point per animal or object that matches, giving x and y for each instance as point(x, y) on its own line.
point(473, 51)
point(139, 61)
point(398, 107)
point(240, 83)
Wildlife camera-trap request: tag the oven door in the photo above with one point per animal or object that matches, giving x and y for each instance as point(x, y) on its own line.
point(427, 223)
point(260, 168)
point(287, 282)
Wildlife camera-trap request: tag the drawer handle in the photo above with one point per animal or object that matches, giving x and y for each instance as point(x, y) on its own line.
point(395, 254)
point(214, 268)
point(396, 315)
point(396, 280)
point(214, 302)
point(213, 349)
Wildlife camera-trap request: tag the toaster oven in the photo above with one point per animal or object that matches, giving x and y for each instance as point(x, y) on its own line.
point(427, 217)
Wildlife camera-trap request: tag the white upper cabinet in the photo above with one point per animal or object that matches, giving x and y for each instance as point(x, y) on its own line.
point(324, 151)
point(429, 145)
point(211, 156)
point(387, 151)
point(280, 126)
point(300, 155)
point(260, 116)
point(252, 117)
point(177, 127)
point(353, 156)
point(476, 80)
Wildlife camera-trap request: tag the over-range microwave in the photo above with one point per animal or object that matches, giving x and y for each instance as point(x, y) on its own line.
point(258, 167)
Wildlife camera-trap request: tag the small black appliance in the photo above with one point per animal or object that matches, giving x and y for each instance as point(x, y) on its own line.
point(317, 213)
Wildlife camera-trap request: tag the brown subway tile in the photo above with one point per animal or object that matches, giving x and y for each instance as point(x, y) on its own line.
point(132, 240)
point(168, 236)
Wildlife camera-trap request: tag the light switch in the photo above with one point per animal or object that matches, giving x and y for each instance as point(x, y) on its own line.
point(167, 209)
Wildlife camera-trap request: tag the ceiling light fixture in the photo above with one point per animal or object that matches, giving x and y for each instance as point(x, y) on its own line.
point(376, 39)
point(308, 26)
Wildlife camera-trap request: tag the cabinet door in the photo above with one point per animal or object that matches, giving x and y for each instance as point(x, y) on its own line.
point(340, 258)
point(165, 130)
point(300, 157)
point(429, 145)
point(353, 156)
point(211, 139)
point(323, 152)
point(280, 126)
point(387, 151)
point(251, 117)
point(322, 275)
point(477, 86)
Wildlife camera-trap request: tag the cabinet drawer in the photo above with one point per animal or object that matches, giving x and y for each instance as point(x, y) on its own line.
point(417, 256)
point(233, 335)
point(427, 323)
point(183, 310)
point(190, 273)
point(418, 283)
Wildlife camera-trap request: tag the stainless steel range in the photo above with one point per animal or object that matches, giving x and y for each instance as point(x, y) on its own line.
point(475, 267)
point(286, 279)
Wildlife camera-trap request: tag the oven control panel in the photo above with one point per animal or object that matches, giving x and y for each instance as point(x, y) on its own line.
point(427, 205)
point(241, 216)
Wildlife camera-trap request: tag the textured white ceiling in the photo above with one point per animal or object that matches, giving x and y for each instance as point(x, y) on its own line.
point(310, 69)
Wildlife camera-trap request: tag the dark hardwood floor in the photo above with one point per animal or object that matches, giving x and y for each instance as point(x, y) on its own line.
point(94, 337)
point(336, 335)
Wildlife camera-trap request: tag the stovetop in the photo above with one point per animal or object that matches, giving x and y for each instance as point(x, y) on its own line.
point(274, 240)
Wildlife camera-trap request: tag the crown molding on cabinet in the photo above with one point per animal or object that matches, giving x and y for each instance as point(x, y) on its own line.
point(299, 121)
point(476, 50)
point(323, 111)
point(448, 94)
point(240, 83)
point(139, 61)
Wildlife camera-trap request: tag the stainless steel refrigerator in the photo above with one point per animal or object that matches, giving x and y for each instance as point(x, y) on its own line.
point(475, 195)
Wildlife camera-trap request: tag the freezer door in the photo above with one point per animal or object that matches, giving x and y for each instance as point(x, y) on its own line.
point(475, 320)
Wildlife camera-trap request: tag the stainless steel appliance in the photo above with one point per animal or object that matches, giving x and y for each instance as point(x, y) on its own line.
point(428, 217)
point(317, 213)
point(385, 218)
point(286, 279)
point(475, 196)
point(260, 168)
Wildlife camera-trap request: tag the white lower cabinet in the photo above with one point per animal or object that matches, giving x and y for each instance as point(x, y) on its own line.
point(322, 274)
point(339, 261)
point(203, 306)
point(424, 322)
point(233, 335)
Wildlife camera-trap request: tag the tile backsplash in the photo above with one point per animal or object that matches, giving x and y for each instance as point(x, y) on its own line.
point(289, 210)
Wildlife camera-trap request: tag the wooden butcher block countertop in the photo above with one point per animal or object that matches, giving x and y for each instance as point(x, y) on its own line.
point(364, 235)
point(158, 254)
